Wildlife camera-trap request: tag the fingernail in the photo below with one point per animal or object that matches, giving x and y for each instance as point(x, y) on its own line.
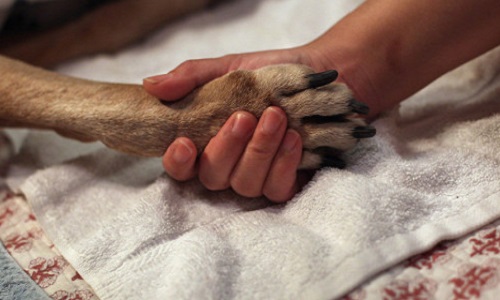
point(158, 78)
point(240, 126)
point(272, 121)
point(290, 141)
point(182, 153)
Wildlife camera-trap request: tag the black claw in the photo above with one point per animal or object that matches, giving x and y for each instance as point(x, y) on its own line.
point(330, 157)
point(321, 79)
point(359, 107)
point(324, 119)
point(332, 161)
point(326, 151)
point(364, 132)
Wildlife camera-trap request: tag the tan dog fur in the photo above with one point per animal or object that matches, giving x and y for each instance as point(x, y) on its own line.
point(105, 29)
point(124, 117)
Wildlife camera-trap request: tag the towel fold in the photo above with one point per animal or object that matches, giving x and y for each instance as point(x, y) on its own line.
point(431, 173)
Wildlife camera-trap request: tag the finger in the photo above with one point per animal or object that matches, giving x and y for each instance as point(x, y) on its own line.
point(251, 171)
point(180, 158)
point(185, 78)
point(224, 150)
point(281, 183)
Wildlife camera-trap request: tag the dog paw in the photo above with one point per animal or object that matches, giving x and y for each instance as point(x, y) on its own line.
point(325, 114)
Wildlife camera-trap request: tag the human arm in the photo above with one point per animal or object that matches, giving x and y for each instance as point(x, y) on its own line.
point(385, 51)
point(388, 50)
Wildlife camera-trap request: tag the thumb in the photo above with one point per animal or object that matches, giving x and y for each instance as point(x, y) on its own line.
point(185, 78)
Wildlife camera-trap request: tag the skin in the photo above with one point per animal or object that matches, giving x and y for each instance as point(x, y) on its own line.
point(385, 51)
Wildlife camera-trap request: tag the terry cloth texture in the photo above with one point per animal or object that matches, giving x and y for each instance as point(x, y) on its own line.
point(431, 173)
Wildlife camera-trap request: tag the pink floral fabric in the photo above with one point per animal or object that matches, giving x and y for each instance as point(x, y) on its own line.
point(468, 268)
point(23, 238)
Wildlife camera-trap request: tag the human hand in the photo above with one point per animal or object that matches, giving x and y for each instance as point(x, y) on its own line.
point(253, 157)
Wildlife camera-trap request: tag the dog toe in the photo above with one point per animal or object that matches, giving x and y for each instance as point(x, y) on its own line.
point(321, 157)
point(325, 113)
point(320, 79)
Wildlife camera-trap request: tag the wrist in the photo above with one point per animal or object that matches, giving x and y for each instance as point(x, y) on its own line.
point(356, 69)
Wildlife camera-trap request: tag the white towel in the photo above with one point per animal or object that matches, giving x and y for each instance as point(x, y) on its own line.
point(431, 173)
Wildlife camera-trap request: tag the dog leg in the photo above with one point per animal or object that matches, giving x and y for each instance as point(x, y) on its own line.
point(126, 118)
point(106, 29)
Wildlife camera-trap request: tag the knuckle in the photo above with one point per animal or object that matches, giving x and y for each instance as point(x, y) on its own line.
point(188, 65)
point(233, 60)
point(274, 197)
point(277, 194)
point(179, 175)
point(213, 184)
point(262, 150)
point(245, 189)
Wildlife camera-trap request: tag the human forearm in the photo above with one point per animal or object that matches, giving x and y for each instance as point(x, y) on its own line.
point(387, 50)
